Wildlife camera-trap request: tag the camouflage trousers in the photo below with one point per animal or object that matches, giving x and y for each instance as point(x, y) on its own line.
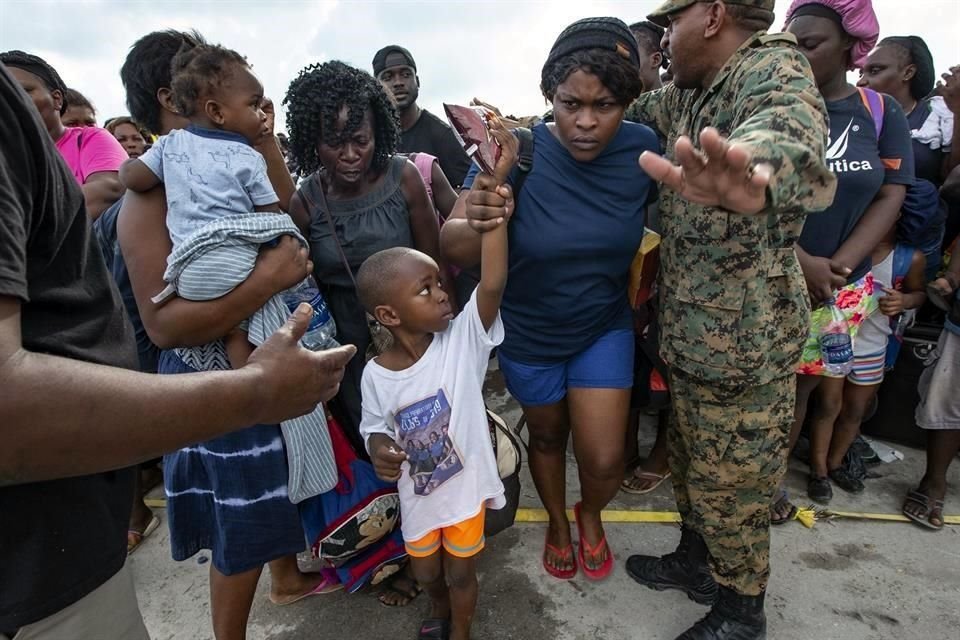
point(728, 453)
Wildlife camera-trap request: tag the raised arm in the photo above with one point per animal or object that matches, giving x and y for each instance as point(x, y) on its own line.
point(493, 273)
point(459, 242)
point(494, 260)
point(774, 160)
point(481, 207)
point(277, 170)
point(145, 244)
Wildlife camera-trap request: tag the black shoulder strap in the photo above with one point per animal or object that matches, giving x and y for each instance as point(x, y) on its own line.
point(525, 162)
point(315, 185)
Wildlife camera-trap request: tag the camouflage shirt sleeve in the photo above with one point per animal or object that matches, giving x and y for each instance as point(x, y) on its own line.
point(654, 109)
point(783, 121)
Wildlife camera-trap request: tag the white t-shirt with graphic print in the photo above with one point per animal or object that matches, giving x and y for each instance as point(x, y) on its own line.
point(434, 410)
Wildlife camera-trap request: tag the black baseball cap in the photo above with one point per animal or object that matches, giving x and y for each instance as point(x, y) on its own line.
point(380, 58)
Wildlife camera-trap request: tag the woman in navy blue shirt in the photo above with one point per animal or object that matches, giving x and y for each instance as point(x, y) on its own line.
point(871, 156)
point(568, 352)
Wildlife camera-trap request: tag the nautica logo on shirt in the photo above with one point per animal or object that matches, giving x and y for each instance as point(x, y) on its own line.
point(838, 149)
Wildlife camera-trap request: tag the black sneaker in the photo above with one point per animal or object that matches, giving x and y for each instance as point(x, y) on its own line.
point(846, 481)
point(819, 490)
point(863, 449)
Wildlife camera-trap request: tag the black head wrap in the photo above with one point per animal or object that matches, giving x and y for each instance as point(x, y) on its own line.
point(596, 33)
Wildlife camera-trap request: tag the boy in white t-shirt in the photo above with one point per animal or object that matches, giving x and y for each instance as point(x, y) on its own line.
point(424, 419)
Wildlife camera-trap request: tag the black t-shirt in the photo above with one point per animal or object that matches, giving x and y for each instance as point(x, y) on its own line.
point(862, 164)
point(61, 539)
point(432, 135)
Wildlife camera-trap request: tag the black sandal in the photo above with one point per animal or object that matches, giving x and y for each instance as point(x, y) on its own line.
point(434, 629)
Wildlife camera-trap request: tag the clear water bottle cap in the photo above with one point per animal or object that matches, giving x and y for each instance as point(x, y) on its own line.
point(831, 301)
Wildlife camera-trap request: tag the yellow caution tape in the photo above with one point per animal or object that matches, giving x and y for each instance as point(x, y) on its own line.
point(610, 515)
point(628, 516)
point(624, 516)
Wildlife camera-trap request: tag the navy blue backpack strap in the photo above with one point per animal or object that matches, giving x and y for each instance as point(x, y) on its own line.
point(525, 162)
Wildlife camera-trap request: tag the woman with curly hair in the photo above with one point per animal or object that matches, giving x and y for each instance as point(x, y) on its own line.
point(344, 134)
point(568, 352)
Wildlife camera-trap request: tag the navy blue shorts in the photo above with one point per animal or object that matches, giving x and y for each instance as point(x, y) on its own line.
point(606, 364)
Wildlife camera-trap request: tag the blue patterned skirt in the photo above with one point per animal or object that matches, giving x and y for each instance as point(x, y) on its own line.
point(229, 495)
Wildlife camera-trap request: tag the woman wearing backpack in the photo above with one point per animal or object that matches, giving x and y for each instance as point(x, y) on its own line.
point(568, 352)
point(870, 154)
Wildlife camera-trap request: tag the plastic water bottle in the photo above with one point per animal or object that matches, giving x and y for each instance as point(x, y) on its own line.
point(320, 334)
point(836, 347)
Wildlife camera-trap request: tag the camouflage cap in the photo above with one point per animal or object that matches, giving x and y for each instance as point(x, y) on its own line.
point(659, 15)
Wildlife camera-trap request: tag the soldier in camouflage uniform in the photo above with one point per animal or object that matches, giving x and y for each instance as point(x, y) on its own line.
point(734, 303)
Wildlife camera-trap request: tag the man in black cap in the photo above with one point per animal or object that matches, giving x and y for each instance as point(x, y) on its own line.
point(423, 132)
point(734, 306)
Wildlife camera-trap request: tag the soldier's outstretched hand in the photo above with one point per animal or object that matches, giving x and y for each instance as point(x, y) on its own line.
point(720, 174)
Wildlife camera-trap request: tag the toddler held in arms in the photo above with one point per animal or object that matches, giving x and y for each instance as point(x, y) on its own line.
point(217, 187)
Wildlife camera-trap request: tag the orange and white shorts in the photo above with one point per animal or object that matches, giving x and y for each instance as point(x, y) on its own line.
point(464, 539)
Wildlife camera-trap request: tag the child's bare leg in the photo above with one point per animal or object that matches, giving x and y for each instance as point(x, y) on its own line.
point(462, 588)
point(429, 573)
point(238, 348)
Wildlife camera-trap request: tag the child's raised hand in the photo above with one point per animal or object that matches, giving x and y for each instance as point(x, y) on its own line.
point(488, 205)
point(891, 304)
point(509, 149)
point(387, 457)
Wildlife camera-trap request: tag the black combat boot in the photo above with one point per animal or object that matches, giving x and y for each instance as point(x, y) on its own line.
point(734, 617)
point(685, 569)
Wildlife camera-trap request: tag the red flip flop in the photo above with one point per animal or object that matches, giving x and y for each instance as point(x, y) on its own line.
point(603, 570)
point(565, 554)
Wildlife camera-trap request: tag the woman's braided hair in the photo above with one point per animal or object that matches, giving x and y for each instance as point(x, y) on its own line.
point(915, 51)
point(314, 101)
